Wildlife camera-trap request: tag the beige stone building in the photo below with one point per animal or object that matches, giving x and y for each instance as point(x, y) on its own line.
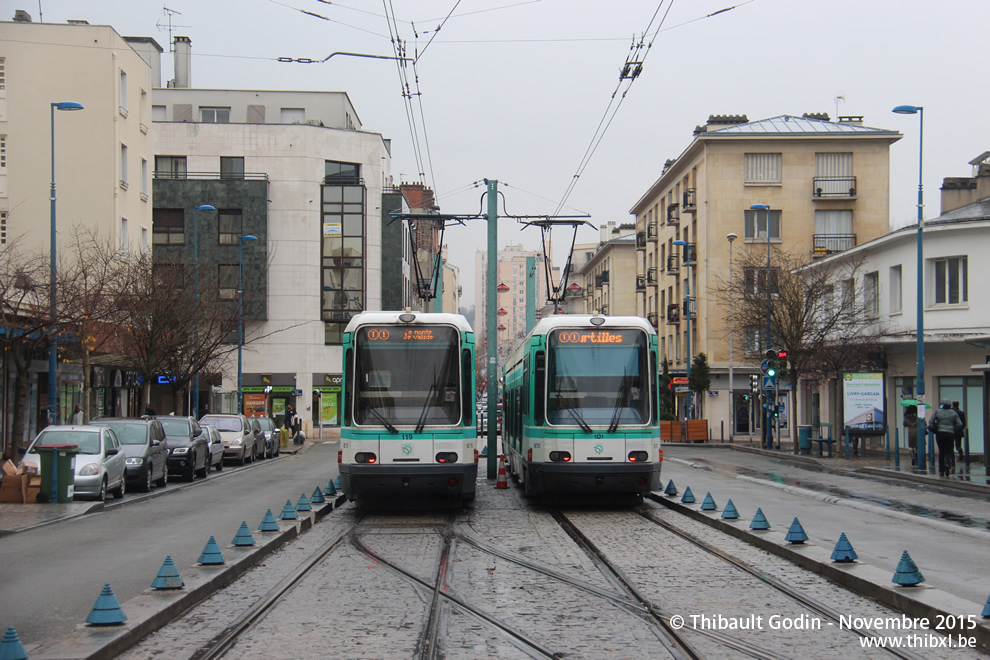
point(605, 273)
point(827, 185)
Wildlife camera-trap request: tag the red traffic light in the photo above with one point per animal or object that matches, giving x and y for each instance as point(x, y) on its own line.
point(782, 355)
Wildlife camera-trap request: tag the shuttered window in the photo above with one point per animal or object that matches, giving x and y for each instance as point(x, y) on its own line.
point(762, 168)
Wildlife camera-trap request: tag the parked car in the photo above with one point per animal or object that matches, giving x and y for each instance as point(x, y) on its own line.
point(145, 450)
point(240, 442)
point(99, 463)
point(188, 454)
point(272, 438)
point(216, 446)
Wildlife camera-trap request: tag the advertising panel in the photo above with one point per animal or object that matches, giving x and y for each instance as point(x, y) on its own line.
point(863, 401)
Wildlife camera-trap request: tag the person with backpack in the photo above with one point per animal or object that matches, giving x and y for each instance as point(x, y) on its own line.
point(945, 424)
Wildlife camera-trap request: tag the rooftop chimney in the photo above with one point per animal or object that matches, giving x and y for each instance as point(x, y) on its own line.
point(851, 120)
point(183, 62)
point(22, 16)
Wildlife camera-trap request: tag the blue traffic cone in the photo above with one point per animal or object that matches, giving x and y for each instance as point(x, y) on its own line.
point(796, 534)
point(907, 573)
point(168, 576)
point(985, 614)
point(11, 647)
point(730, 513)
point(330, 489)
point(211, 555)
point(317, 496)
point(106, 611)
point(243, 536)
point(688, 496)
point(268, 523)
point(843, 552)
point(671, 489)
point(759, 520)
point(709, 503)
point(288, 512)
point(303, 503)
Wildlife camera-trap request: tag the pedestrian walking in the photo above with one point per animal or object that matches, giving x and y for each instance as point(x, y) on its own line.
point(962, 432)
point(77, 416)
point(911, 431)
point(945, 423)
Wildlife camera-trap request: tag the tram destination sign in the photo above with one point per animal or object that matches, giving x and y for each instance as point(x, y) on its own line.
point(418, 334)
point(597, 336)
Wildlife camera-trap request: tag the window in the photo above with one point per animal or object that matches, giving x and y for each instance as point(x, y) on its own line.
point(227, 277)
point(214, 115)
point(756, 225)
point(123, 93)
point(123, 236)
point(834, 231)
point(168, 227)
point(144, 240)
point(896, 301)
point(231, 167)
point(871, 293)
point(123, 166)
point(170, 167)
point(338, 173)
point(762, 168)
point(951, 285)
point(292, 115)
point(755, 338)
point(343, 254)
point(3, 151)
point(231, 226)
point(158, 113)
point(144, 179)
point(755, 281)
point(3, 226)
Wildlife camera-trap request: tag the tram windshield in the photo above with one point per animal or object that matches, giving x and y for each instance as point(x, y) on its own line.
point(597, 377)
point(407, 375)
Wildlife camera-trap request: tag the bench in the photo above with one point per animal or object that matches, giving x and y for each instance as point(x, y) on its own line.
point(822, 441)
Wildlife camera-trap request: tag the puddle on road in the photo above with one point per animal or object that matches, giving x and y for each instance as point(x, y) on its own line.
point(777, 476)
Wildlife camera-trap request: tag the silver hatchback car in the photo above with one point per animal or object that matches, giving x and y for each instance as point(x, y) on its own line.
point(99, 463)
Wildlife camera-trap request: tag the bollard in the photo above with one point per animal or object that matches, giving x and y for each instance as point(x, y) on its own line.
point(11, 647)
point(168, 576)
point(985, 614)
point(671, 489)
point(268, 523)
point(106, 611)
point(886, 440)
point(303, 503)
point(759, 521)
point(847, 444)
point(907, 573)
point(211, 555)
point(330, 489)
point(336, 483)
point(897, 449)
point(796, 534)
point(709, 503)
point(843, 552)
point(288, 512)
point(243, 536)
point(730, 513)
point(317, 496)
point(921, 444)
point(688, 497)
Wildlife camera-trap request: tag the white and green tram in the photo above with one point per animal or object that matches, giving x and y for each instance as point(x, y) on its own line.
point(582, 407)
point(408, 427)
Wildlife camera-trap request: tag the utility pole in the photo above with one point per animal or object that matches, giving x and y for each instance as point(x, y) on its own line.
point(530, 293)
point(491, 306)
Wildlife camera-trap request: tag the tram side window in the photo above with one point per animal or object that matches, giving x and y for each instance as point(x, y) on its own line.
point(348, 387)
point(467, 389)
point(539, 389)
point(655, 384)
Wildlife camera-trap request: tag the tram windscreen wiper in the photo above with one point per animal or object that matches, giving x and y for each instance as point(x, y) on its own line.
point(575, 414)
point(620, 401)
point(381, 418)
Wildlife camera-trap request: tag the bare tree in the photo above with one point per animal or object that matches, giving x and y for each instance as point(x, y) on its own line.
point(816, 313)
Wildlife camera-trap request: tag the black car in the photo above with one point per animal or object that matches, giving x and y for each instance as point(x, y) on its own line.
point(189, 453)
point(143, 443)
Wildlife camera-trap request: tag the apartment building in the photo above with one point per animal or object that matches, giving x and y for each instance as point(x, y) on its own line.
point(826, 184)
point(604, 273)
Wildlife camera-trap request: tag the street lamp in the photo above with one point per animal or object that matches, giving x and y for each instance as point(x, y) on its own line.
point(766, 284)
point(53, 347)
point(195, 393)
point(687, 313)
point(732, 393)
point(240, 319)
point(920, 384)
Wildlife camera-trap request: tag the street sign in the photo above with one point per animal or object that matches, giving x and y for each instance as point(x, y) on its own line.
point(679, 381)
point(769, 382)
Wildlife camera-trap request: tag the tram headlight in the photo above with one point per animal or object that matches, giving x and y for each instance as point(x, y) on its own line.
point(365, 457)
point(560, 456)
point(446, 457)
point(638, 456)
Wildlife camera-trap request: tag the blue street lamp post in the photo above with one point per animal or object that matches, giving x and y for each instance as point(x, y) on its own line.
point(768, 435)
point(53, 287)
point(195, 384)
point(920, 383)
point(240, 319)
point(687, 313)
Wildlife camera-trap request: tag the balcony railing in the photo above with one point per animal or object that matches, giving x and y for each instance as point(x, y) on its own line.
point(690, 308)
point(652, 231)
point(673, 314)
point(651, 275)
point(164, 174)
point(691, 254)
point(834, 187)
point(640, 240)
point(673, 264)
point(690, 206)
point(832, 243)
point(640, 282)
point(673, 214)
point(652, 319)
point(600, 279)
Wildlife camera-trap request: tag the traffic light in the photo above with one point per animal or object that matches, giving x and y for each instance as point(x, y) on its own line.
point(754, 383)
point(772, 366)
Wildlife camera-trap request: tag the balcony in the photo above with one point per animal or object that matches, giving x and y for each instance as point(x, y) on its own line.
point(834, 187)
point(831, 243)
point(600, 279)
point(652, 319)
point(651, 276)
point(641, 282)
point(673, 314)
point(673, 214)
point(691, 254)
point(652, 231)
point(673, 264)
point(690, 308)
point(641, 240)
point(687, 201)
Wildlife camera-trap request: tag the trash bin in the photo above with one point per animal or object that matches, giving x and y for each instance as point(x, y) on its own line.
point(58, 464)
point(804, 438)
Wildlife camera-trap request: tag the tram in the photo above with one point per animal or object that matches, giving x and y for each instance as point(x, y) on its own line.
point(582, 407)
point(408, 427)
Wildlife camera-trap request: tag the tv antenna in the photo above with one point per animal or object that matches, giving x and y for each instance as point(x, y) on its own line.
point(170, 28)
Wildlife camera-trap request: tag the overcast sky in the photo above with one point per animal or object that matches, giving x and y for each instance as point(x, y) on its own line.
point(518, 90)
